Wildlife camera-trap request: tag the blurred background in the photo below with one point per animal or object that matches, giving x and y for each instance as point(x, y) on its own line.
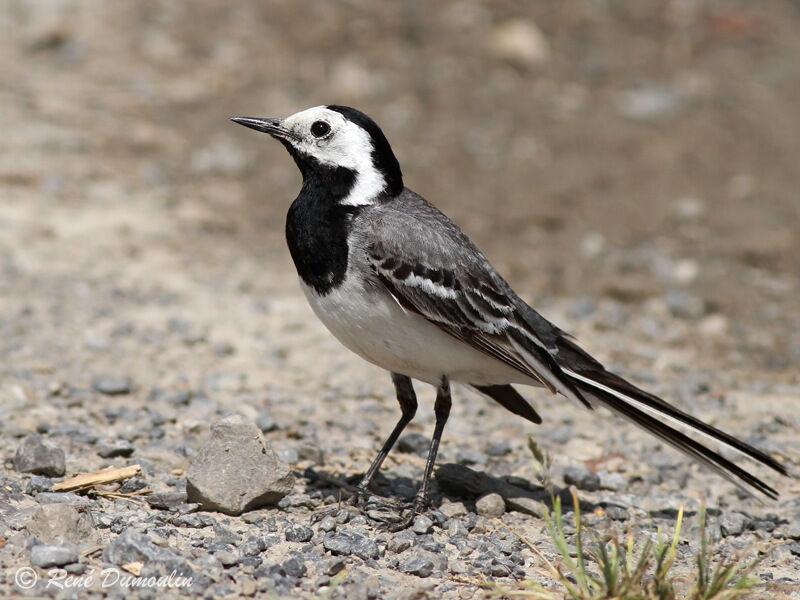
point(631, 163)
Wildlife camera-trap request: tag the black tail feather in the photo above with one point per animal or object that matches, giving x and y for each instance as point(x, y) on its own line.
point(684, 443)
point(510, 399)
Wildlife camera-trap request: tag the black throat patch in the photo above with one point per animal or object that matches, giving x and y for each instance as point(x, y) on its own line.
point(317, 225)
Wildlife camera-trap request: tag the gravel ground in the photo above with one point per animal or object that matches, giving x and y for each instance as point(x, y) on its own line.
point(145, 292)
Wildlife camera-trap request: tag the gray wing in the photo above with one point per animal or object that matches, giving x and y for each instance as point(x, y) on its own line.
point(434, 270)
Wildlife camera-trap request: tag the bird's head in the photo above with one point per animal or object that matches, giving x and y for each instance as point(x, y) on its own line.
point(340, 146)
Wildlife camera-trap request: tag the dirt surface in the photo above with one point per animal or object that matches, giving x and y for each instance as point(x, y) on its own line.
point(631, 167)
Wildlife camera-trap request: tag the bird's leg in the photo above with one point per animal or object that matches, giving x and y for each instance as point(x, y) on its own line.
point(408, 404)
point(442, 411)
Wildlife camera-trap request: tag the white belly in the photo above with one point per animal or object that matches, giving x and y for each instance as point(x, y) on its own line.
point(370, 322)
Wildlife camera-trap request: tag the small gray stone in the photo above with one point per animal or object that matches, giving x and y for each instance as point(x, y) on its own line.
point(421, 525)
point(266, 423)
point(417, 565)
point(53, 556)
point(237, 470)
point(288, 455)
point(134, 484)
point(333, 566)
point(456, 528)
point(61, 522)
point(683, 305)
point(166, 500)
point(414, 443)
point(490, 505)
point(294, 567)
point(616, 513)
point(62, 498)
point(111, 385)
point(338, 544)
point(365, 548)
point(791, 531)
point(226, 558)
point(298, 533)
point(400, 542)
point(327, 524)
point(39, 483)
point(452, 509)
point(582, 479)
point(612, 481)
point(134, 546)
point(40, 456)
point(114, 448)
point(733, 523)
point(499, 449)
point(466, 456)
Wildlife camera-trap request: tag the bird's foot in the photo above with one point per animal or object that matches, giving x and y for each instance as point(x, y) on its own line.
point(404, 521)
point(364, 502)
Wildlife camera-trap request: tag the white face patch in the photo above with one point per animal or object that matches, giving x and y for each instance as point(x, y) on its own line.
point(345, 145)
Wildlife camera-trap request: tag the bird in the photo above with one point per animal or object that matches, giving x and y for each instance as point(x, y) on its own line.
point(400, 285)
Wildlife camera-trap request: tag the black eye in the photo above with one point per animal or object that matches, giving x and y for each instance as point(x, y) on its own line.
point(320, 128)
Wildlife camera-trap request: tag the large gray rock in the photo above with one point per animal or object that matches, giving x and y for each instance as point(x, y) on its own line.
point(53, 523)
point(237, 470)
point(40, 456)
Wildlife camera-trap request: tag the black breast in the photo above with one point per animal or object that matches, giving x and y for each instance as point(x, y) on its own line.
point(317, 227)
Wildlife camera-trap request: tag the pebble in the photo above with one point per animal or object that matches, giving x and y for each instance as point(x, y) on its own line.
point(266, 423)
point(40, 456)
point(237, 470)
point(227, 558)
point(471, 457)
point(684, 305)
point(327, 523)
point(499, 449)
point(338, 543)
point(650, 103)
point(490, 505)
point(581, 478)
point(333, 566)
point(45, 556)
point(452, 509)
point(166, 500)
point(298, 533)
point(519, 41)
point(39, 483)
point(365, 548)
point(616, 513)
point(134, 546)
point(421, 525)
point(111, 385)
point(612, 481)
point(419, 566)
point(115, 448)
point(414, 443)
point(294, 567)
point(400, 541)
point(733, 523)
point(456, 528)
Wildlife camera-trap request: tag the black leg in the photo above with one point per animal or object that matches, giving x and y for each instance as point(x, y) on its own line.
point(408, 404)
point(442, 411)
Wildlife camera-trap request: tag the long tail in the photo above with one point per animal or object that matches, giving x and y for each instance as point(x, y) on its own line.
point(638, 406)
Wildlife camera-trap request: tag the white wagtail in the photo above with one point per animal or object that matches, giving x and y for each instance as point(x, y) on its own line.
point(404, 288)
